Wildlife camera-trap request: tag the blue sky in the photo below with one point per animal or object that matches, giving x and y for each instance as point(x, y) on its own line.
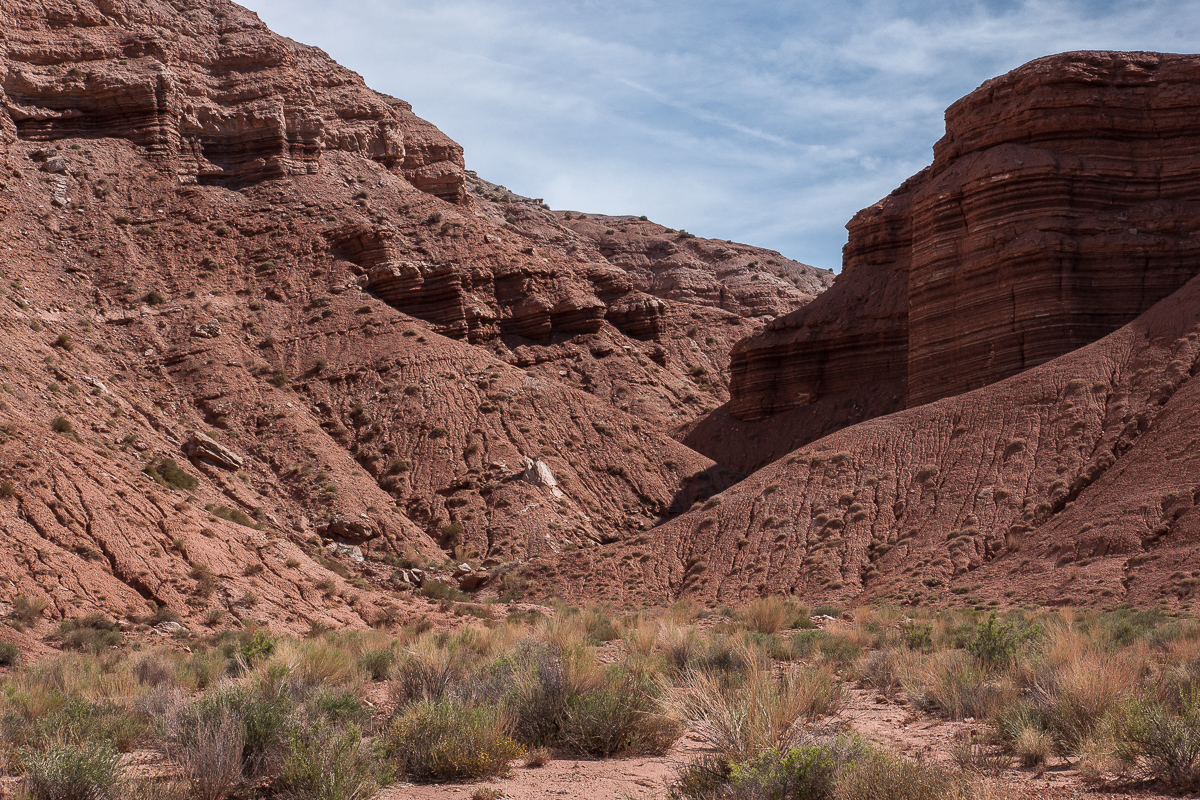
point(764, 122)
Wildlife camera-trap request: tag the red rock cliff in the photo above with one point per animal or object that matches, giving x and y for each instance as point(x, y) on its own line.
point(1059, 206)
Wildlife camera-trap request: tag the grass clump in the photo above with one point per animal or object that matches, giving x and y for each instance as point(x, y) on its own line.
point(759, 714)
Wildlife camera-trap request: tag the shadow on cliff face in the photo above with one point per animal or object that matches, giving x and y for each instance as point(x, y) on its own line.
point(700, 486)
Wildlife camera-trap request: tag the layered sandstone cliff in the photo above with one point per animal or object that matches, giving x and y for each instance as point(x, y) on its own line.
point(221, 249)
point(207, 91)
point(1060, 205)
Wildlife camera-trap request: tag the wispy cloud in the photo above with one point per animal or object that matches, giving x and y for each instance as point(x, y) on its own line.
point(762, 121)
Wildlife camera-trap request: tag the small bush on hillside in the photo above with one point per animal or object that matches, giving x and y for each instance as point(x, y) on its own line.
point(450, 741)
point(26, 611)
point(10, 654)
point(232, 515)
point(166, 473)
point(93, 633)
point(436, 590)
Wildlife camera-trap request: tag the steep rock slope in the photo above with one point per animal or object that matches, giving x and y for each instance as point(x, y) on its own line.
point(220, 248)
point(1060, 205)
point(1073, 482)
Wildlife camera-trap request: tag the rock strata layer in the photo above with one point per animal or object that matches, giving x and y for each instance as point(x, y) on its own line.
point(1061, 203)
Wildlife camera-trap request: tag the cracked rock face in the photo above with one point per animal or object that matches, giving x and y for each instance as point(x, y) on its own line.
point(242, 239)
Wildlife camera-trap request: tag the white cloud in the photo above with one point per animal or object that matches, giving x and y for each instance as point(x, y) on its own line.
point(764, 121)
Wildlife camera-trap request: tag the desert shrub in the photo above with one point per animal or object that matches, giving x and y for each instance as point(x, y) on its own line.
point(318, 663)
point(1162, 743)
point(766, 615)
point(78, 722)
point(722, 654)
point(376, 664)
point(955, 685)
point(917, 635)
point(802, 773)
point(26, 611)
point(64, 341)
point(232, 515)
point(1073, 698)
point(451, 741)
point(336, 706)
point(997, 643)
point(165, 472)
point(972, 754)
point(882, 670)
point(703, 778)
point(879, 777)
point(90, 771)
point(529, 682)
point(61, 425)
point(619, 715)
point(263, 718)
point(811, 643)
point(93, 633)
point(10, 654)
point(209, 750)
point(330, 764)
point(538, 757)
point(436, 590)
point(743, 720)
point(425, 672)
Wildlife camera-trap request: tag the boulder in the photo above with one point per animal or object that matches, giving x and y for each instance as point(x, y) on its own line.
point(204, 448)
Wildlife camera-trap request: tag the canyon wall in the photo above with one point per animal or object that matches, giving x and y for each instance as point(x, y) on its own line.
point(1061, 203)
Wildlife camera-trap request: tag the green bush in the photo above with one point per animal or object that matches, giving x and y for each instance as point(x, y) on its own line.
point(93, 633)
point(232, 515)
point(377, 663)
point(1162, 742)
point(330, 764)
point(263, 720)
point(79, 722)
point(165, 472)
point(620, 715)
point(451, 741)
point(91, 771)
point(436, 590)
point(802, 773)
point(997, 644)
